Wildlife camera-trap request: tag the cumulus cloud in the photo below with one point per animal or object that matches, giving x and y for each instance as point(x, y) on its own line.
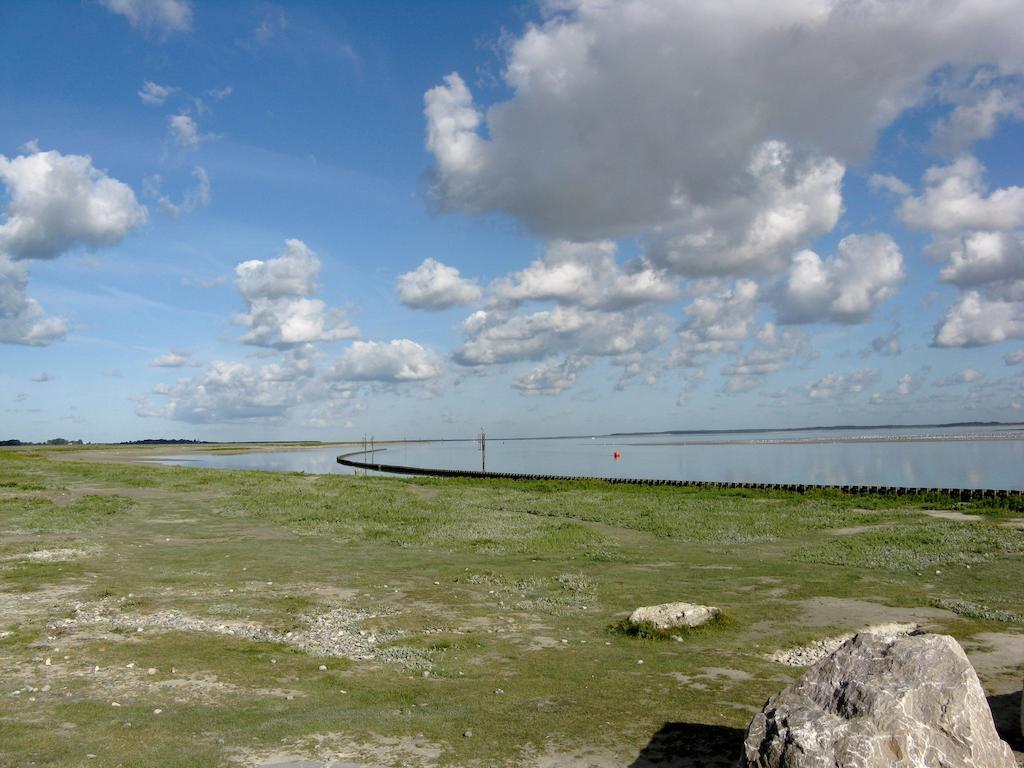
point(888, 183)
point(232, 391)
point(678, 120)
point(1014, 358)
point(436, 286)
point(887, 344)
point(499, 336)
point(56, 202)
point(176, 358)
point(162, 17)
point(975, 321)
point(908, 383)
point(154, 95)
point(954, 198)
point(585, 274)
point(280, 313)
point(551, 378)
point(986, 101)
point(771, 352)
point(966, 376)
point(846, 288)
point(783, 202)
point(977, 258)
point(719, 319)
point(193, 199)
point(841, 385)
point(184, 130)
point(22, 319)
point(397, 361)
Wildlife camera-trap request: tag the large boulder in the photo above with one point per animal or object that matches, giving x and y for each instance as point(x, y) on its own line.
point(674, 615)
point(881, 701)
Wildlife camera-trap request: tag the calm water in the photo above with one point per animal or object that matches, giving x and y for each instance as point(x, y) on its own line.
point(952, 457)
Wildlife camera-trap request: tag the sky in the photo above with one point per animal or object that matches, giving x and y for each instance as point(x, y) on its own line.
point(258, 221)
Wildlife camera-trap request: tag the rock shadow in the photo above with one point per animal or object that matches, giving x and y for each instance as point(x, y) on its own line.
point(692, 745)
point(1006, 714)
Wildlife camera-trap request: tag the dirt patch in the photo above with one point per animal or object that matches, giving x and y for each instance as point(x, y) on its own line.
point(1012, 524)
point(48, 555)
point(998, 658)
point(853, 613)
point(853, 530)
point(336, 750)
point(336, 633)
point(947, 514)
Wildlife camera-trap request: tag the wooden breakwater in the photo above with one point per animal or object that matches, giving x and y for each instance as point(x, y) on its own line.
point(963, 494)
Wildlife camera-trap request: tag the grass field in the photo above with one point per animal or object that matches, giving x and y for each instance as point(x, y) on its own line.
point(162, 616)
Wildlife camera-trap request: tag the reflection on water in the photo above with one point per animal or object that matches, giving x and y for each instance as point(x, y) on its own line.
point(949, 458)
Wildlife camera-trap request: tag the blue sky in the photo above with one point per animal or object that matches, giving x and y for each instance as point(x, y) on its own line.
point(259, 221)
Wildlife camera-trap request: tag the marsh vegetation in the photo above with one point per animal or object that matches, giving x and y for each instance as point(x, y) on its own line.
point(243, 617)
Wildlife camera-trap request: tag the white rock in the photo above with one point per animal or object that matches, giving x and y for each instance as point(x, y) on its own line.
point(673, 615)
point(880, 701)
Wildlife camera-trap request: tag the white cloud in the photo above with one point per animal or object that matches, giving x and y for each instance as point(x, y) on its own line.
point(653, 117)
point(977, 258)
point(23, 320)
point(154, 95)
point(846, 288)
point(889, 183)
point(954, 198)
point(184, 130)
point(551, 378)
point(436, 286)
point(966, 376)
point(42, 377)
point(162, 17)
point(193, 199)
point(280, 314)
point(57, 202)
point(397, 361)
point(908, 384)
point(782, 203)
point(1014, 358)
point(841, 385)
point(587, 275)
point(177, 358)
point(498, 336)
point(975, 321)
point(771, 352)
point(888, 344)
point(717, 320)
point(233, 391)
point(977, 117)
point(219, 94)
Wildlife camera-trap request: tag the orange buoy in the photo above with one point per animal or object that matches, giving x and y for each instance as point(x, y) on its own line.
point(617, 455)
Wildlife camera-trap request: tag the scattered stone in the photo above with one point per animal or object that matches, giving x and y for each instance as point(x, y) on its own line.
point(880, 700)
point(323, 667)
point(467, 733)
point(813, 652)
point(674, 615)
point(498, 691)
point(157, 711)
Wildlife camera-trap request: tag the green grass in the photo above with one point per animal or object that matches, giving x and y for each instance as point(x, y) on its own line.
point(477, 583)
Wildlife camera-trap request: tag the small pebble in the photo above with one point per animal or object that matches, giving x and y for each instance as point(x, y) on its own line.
point(151, 671)
point(157, 711)
point(498, 690)
point(47, 662)
point(323, 667)
point(639, 661)
point(467, 734)
point(114, 704)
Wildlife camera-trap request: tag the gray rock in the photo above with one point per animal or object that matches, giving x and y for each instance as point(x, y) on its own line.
point(673, 615)
point(880, 701)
